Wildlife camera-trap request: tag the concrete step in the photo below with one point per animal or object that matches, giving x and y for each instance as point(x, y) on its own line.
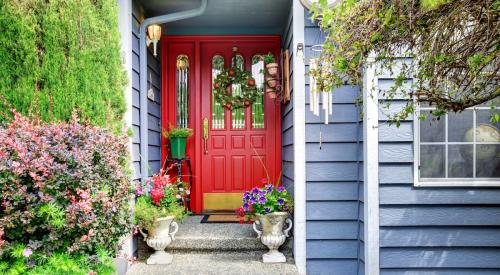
point(196, 236)
point(216, 263)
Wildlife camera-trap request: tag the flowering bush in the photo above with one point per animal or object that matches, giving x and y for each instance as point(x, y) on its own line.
point(161, 200)
point(63, 188)
point(265, 200)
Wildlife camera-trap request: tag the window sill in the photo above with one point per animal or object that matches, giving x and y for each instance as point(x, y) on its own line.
point(458, 183)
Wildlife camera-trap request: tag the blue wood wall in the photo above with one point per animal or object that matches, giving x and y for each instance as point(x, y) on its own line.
point(334, 190)
point(154, 107)
point(287, 138)
point(427, 230)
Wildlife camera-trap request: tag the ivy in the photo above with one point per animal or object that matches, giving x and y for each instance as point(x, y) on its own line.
point(57, 55)
point(449, 48)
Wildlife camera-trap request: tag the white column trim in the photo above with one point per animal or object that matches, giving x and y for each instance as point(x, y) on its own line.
point(370, 170)
point(299, 156)
point(125, 29)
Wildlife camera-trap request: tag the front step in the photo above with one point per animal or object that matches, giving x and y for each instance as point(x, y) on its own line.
point(215, 248)
point(216, 263)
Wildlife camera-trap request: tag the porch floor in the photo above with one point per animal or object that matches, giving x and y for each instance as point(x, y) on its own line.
point(214, 248)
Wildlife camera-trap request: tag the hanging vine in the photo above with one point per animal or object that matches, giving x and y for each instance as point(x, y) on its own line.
point(450, 49)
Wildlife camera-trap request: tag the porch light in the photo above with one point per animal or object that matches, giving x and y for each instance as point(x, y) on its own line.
point(154, 35)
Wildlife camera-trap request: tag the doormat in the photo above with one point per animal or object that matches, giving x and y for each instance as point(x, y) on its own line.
point(221, 218)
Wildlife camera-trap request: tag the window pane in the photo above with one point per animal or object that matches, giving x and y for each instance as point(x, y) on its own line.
point(217, 109)
point(488, 161)
point(460, 161)
point(258, 105)
point(486, 130)
point(432, 161)
point(458, 125)
point(238, 115)
point(182, 79)
point(432, 129)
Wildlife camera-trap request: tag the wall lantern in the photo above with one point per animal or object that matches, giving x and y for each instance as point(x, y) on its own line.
point(154, 35)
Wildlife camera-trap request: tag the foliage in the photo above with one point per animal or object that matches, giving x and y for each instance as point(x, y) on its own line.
point(269, 58)
point(64, 188)
point(61, 55)
point(161, 200)
point(57, 263)
point(268, 199)
point(175, 132)
point(223, 92)
point(452, 49)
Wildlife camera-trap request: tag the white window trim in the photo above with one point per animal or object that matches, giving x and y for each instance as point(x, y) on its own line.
point(449, 182)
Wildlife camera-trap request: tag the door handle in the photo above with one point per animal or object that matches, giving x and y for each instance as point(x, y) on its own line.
point(205, 135)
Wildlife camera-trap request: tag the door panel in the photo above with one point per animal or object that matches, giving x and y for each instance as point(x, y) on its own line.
point(239, 141)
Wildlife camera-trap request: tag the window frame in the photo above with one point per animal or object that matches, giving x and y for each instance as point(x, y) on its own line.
point(445, 182)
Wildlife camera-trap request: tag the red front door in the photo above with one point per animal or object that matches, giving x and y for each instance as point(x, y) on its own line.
point(243, 143)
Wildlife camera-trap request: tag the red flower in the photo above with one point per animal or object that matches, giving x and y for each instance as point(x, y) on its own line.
point(242, 222)
point(156, 195)
point(249, 222)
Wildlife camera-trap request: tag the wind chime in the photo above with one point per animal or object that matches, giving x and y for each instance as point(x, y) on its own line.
point(317, 95)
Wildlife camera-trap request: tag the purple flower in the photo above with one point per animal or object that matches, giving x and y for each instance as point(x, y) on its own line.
point(281, 189)
point(246, 194)
point(261, 194)
point(267, 209)
point(246, 207)
point(269, 188)
point(27, 252)
point(262, 200)
point(281, 201)
point(255, 190)
point(253, 200)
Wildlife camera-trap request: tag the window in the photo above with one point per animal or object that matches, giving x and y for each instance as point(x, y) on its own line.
point(182, 77)
point(217, 109)
point(449, 152)
point(238, 115)
point(258, 105)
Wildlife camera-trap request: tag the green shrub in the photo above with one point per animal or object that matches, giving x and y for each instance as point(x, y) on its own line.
point(59, 55)
point(178, 133)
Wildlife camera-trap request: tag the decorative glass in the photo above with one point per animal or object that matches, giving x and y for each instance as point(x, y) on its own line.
point(217, 108)
point(258, 105)
point(182, 80)
point(238, 115)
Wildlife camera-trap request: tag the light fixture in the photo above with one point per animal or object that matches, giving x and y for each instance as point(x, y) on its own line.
point(154, 35)
point(300, 51)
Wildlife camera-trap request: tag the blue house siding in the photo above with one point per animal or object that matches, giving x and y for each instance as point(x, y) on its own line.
point(431, 230)
point(287, 138)
point(154, 107)
point(334, 190)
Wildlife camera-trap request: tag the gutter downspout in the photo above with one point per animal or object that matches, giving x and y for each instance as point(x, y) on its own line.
point(143, 74)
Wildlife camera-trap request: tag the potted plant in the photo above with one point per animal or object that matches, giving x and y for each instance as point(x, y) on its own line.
point(271, 92)
point(178, 137)
point(270, 207)
point(271, 65)
point(271, 82)
point(155, 212)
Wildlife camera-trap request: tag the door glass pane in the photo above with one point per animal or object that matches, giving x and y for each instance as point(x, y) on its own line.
point(258, 105)
point(217, 109)
point(238, 115)
point(182, 79)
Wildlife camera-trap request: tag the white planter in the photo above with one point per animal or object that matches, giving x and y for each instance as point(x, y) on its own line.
point(159, 238)
point(273, 235)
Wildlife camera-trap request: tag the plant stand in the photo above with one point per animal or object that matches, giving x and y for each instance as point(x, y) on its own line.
point(186, 201)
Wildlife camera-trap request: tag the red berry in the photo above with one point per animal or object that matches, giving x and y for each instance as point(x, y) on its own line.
point(232, 72)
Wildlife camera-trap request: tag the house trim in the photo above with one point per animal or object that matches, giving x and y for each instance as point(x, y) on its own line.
point(299, 122)
point(370, 170)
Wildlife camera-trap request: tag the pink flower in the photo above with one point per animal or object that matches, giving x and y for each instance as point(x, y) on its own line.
point(27, 252)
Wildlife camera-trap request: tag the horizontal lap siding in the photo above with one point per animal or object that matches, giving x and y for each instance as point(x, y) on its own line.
point(153, 108)
point(332, 175)
point(431, 230)
point(287, 138)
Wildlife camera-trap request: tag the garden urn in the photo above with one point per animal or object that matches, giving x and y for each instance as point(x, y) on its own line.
point(272, 234)
point(159, 237)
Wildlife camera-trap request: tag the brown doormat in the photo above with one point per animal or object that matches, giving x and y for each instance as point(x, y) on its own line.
point(221, 218)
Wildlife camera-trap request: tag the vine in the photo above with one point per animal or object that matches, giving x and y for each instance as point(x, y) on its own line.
point(450, 49)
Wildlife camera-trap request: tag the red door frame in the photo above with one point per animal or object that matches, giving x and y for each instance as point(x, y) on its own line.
point(169, 112)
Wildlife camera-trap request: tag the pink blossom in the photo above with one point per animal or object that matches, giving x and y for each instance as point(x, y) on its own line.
point(27, 252)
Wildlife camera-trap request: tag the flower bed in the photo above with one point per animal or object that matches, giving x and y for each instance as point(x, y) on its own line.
point(64, 195)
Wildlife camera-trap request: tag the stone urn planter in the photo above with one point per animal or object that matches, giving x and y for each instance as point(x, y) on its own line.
point(272, 234)
point(159, 238)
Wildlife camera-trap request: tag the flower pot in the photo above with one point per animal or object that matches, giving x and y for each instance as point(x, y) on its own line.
point(159, 237)
point(272, 82)
point(272, 234)
point(178, 147)
point(272, 68)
